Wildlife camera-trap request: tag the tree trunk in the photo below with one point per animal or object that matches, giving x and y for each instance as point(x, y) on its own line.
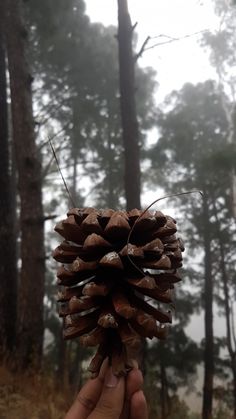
point(132, 175)
point(208, 301)
point(231, 350)
point(75, 367)
point(228, 313)
point(74, 155)
point(77, 140)
point(74, 179)
point(128, 108)
point(8, 271)
point(234, 383)
point(112, 198)
point(165, 408)
point(62, 367)
point(31, 288)
point(233, 172)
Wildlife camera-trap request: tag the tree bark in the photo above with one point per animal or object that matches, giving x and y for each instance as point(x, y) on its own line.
point(234, 383)
point(31, 287)
point(74, 153)
point(130, 128)
point(128, 108)
point(8, 271)
point(233, 172)
point(112, 198)
point(208, 301)
point(230, 346)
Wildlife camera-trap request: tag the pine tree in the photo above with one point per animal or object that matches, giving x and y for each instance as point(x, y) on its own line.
point(8, 274)
point(191, 134)
point(31, 286)
point(128, 108)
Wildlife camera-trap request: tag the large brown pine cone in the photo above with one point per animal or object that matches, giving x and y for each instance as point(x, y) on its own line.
point(105, 280)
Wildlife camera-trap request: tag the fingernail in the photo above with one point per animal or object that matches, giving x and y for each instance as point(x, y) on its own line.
point(111, 380)
point(135, 364)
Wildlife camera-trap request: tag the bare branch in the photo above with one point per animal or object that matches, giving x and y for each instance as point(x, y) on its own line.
point(57, 133)
point(142, 49)
point(171, 39)
point(46, 109)
point(49, 113)
point(49, 217)
point(46, 169)
point(134, 26)
point(165, 36)
point(79, 163)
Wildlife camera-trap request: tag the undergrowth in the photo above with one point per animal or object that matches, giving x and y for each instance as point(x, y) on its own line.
point(31, 396)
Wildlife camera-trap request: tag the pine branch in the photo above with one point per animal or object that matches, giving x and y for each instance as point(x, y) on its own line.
point(50, 217)
point(134, 26)
point(172, 39)
point(142, 49)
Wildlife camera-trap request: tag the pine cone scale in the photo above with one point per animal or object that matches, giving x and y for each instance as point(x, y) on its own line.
point(107, 279)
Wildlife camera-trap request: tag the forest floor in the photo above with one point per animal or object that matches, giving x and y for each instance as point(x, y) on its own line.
point(30, 396)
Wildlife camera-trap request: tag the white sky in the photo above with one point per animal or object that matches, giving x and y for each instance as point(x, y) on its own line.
point(175, 63)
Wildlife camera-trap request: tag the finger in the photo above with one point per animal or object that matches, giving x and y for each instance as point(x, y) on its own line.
point(111, 401)
point(133, 384)
point(138, 406)
point(88, 396)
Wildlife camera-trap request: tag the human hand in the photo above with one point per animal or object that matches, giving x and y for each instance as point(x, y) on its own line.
point(109, 397)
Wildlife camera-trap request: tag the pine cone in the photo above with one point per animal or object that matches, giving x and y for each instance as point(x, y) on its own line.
point(107, 274)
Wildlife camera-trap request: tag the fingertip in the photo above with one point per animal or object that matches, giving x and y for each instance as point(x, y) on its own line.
point(111, 401)
point(136, 375)
point(111, 380)
point(134, 382)
point(138, 406)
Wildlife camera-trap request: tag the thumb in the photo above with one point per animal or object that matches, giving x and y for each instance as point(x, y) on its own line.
point(111, 401)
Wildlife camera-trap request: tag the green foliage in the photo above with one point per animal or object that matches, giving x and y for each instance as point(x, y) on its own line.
point(193, 136)
point(172, 364)
point(190, 132)
point(192, 153)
